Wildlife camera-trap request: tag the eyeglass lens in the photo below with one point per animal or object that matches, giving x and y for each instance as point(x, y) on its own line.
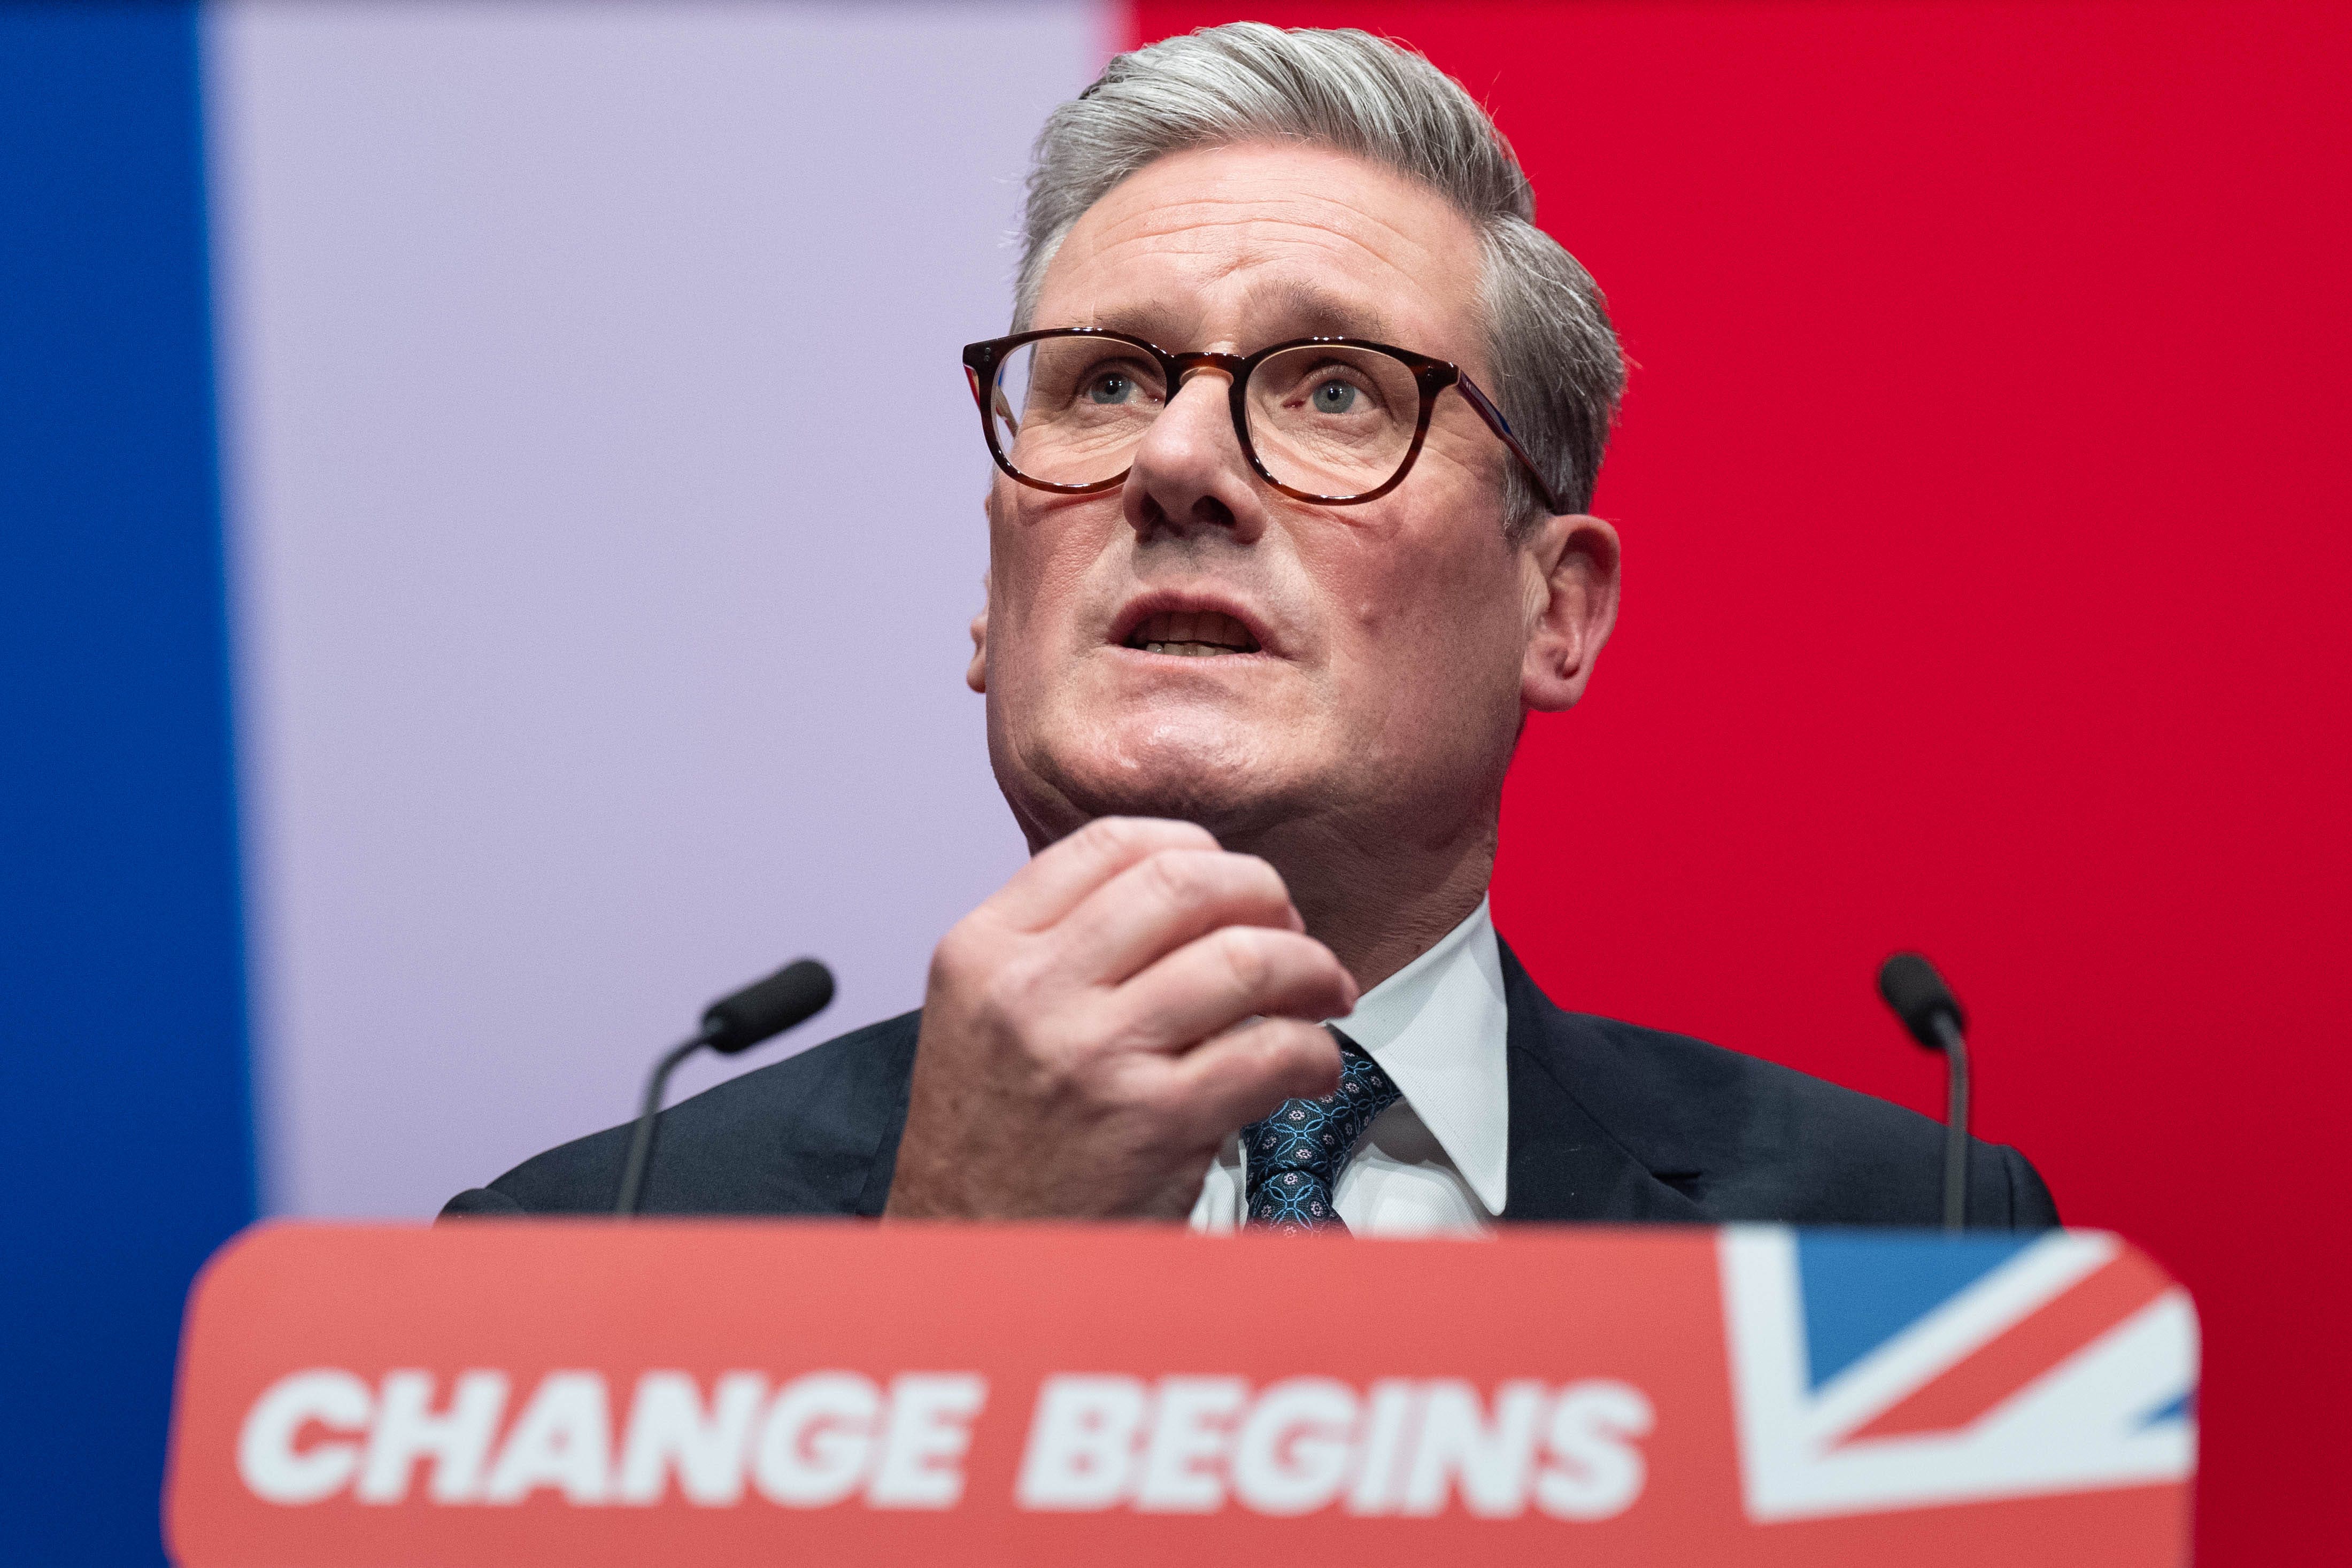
point(1323, 419)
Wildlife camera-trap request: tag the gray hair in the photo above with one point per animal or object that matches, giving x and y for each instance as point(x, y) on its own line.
point(1551, 353)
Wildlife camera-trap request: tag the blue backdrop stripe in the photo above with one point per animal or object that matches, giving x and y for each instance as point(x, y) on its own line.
point(121, 982)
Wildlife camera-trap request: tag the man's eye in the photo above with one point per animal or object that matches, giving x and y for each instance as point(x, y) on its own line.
point(1334, 397)
point(1110, 387)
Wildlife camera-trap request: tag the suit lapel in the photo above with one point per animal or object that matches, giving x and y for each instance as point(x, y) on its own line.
point(888, 1106)
point(1564, 1164)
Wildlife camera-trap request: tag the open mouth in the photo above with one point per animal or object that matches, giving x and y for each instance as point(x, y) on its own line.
point(1191, 634)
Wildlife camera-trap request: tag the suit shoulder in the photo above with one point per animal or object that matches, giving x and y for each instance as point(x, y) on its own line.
point(798, 1136)
point(1750, 1139)
point(1720, 1093)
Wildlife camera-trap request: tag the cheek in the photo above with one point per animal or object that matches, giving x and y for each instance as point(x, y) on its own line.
point(1427, 615)
point(1430, 675)
point(1040, 563)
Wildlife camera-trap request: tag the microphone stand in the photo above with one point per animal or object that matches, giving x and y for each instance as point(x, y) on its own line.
point(1927, 1007)
point(641, 1140)
point(1955, 1122)
point(760, 1010)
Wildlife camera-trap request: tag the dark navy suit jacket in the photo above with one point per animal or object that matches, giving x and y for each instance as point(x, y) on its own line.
point(1607, 1122)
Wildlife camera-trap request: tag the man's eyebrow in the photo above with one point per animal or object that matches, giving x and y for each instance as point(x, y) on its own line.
point(1147, 322)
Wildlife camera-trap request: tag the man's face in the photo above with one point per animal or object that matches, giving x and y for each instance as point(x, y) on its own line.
point(1380, 649)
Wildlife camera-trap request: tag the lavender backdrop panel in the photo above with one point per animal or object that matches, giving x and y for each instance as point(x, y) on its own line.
point(604, 507)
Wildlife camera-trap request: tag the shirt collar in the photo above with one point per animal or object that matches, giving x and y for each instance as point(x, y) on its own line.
point(1440, 1029)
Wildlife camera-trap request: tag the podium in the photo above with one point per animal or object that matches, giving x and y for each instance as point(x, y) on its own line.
point(714, 1392)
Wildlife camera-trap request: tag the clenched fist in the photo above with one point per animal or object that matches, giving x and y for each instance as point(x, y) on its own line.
point(1086, 1044)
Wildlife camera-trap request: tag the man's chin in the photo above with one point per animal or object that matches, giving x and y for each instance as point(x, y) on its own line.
point(1234, 797)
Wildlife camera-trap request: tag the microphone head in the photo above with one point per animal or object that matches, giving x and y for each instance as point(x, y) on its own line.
point(1919, 997)
point(765, 1009)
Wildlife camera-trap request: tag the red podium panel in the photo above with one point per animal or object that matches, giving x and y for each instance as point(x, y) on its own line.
point(717, 1392)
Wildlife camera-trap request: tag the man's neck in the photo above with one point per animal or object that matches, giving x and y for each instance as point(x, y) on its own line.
point(1379, 906)
point(1377, 893)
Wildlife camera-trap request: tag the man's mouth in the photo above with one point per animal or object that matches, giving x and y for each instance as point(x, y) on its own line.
point(1191, 634)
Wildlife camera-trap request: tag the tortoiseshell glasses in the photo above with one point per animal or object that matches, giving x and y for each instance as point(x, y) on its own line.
point(1329, 420)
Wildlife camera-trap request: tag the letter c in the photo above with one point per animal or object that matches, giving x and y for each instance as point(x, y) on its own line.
point(265, 1456)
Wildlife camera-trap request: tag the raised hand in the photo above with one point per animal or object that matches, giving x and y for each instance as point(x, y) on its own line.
point(1094, 1030)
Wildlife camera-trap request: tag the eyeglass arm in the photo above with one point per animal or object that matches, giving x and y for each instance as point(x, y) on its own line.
point(1486, 411)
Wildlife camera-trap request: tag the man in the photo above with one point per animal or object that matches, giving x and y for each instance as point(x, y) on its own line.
point(1274, 586)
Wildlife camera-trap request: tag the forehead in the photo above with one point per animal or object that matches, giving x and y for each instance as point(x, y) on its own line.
point(1235, 248)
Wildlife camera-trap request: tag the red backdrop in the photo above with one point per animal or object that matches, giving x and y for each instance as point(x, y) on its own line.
point(1984, 484)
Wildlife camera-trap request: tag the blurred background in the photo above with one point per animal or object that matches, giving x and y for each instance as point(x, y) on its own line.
point(488, 513)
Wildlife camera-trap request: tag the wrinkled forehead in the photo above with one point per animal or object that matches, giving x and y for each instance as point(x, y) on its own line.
point(1235, 248)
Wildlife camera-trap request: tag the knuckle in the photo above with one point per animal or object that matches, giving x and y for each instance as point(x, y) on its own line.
point(1088, 1073)
point(1123, 1034)
point(1265, 885)
point(1302, 1053)
point(1137, 834)
point(1150, 1096)
point(1246, 958)
point(1313, 1043)
point(1055, 1072)
point(1084, 1033)
point(1177, 875)
point(1276, 1041)
point(958, 952)
point(1109, 835)
point(1262, 874)
point(1009, 990)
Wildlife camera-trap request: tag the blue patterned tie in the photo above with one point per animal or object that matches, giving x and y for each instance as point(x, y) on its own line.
point(1294, 1157)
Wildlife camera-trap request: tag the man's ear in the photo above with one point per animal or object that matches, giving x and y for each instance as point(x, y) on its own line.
point(1571, 578)
point(976, 675)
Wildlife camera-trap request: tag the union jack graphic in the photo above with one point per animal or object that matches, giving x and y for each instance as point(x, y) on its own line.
point(1875, 1373)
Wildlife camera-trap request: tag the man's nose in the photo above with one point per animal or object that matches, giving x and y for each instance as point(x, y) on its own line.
point(1189, 473)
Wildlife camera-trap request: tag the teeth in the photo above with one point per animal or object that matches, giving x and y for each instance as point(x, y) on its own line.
point(1192, 634)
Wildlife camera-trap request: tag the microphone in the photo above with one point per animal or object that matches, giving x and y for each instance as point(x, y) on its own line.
point(759, 1011)
point(1933, 1015)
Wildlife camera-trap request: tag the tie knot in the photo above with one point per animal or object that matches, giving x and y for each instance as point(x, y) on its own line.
point(1293, 1158)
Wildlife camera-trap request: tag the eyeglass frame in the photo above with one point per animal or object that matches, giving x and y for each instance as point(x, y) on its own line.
point(982, 360)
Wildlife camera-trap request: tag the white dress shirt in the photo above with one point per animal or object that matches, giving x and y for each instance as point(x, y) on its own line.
point(1436, 1160)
